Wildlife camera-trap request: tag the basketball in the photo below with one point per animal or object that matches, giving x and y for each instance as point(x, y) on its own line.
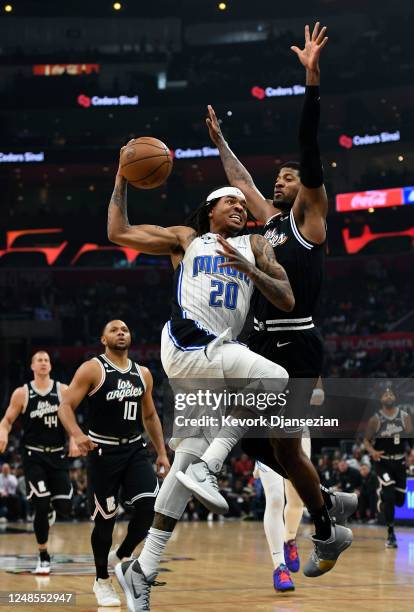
point(146, 163)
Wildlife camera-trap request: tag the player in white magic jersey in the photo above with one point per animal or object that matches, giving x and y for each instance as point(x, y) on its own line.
point(215, 271)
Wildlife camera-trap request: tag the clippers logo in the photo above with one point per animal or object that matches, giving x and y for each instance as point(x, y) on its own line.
point(275, 238)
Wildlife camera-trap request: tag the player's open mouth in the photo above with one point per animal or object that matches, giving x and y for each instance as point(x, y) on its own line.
point(237, 217)
point(278, 193)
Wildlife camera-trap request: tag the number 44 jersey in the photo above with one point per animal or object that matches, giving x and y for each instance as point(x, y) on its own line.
point(115, 404)
point(41, 424)
point(209, 298)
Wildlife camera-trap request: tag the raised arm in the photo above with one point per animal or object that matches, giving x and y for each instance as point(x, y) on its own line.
point(152, 424)
point(14, 408)
point(237, 174)
point(150, 239)
point(267, 275)
point(87, 377)
point(311, 205)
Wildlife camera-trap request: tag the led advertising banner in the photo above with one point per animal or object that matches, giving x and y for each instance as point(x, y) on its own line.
point(406, 512)
point(377, 198)
point(59, 69)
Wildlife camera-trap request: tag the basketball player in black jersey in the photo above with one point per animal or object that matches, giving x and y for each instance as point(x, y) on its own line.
point(385, 440)
point(45, 464)
point(295, 225)
point(120, 405)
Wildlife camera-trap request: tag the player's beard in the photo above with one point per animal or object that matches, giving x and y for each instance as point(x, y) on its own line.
point(119, 347)
point(283, 205)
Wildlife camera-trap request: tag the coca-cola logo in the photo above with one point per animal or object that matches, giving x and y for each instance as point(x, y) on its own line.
point(258, 92)
point(369, 199)
point(84, 101)
point(345, 141)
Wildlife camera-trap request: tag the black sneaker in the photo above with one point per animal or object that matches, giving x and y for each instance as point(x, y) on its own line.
point(391, 540)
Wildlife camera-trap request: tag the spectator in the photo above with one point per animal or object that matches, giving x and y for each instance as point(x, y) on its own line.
point(349, 479)
point(9, 499)
point(410, 463)
point(243, 467)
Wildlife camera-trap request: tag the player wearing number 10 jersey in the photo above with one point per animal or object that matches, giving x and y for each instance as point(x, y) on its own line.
point(120, 406)
point(46, 467)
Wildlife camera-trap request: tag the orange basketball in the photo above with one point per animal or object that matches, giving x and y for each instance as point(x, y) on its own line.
point(146, 163)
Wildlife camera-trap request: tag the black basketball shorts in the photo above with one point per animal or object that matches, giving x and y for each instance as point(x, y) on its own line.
point(392, 472)
point(113, 469)
point(47, 475)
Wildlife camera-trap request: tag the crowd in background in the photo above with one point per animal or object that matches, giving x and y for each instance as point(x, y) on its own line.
point(351, 472)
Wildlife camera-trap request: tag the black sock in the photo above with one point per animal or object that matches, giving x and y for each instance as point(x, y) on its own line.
point(101, 571)
point(326, 497)
point(44, 555)
point(322, 522)
point(390, 529)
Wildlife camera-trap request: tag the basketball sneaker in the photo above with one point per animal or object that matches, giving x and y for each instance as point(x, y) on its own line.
point(282, 580)
point(391, 540)
point(113, 558)
point(105, 594)
point(51, 517)
point(343, 506)
point(326, 552)
point(42, 568)
point(203, 485)
point(292, 555)
point(136, 586)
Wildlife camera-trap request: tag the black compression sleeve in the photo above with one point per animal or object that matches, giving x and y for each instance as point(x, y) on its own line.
point(311, 173)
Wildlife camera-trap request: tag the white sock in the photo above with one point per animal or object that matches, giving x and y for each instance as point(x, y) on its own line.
point(155, 544)
point(218, 450)
point(273, 516)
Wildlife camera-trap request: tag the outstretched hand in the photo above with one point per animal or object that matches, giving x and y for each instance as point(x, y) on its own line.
point(213, 125)
point(309, 55)
point(233, 257)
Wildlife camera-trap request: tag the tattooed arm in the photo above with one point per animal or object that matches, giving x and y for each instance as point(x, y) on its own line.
point(268, 276)
point(237, 174)
point(150, 239)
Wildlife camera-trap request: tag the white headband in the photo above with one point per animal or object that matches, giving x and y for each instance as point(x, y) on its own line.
point(225, 191)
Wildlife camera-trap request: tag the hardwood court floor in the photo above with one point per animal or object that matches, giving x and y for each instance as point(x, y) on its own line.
point(226, 567)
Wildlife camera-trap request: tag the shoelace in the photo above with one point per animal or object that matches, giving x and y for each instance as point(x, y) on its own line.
point(212, 479)
point(283, 576)
point(108, 589)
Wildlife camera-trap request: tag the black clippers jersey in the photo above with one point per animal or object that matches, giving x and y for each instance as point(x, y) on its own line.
point(41, 424)
point(304, 263)
point(115, 404)
point(388, 436)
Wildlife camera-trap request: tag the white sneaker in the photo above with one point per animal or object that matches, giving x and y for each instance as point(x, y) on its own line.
point(42, 568)
point(113, 558)
point(203, 484)
point(51, 517)
point(105, 593)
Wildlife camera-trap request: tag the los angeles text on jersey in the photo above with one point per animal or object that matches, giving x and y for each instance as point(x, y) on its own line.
point(43, 408)
point(124, 389)
point(261, 421)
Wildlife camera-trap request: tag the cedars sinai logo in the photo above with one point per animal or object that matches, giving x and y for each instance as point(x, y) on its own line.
point(84, 101)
